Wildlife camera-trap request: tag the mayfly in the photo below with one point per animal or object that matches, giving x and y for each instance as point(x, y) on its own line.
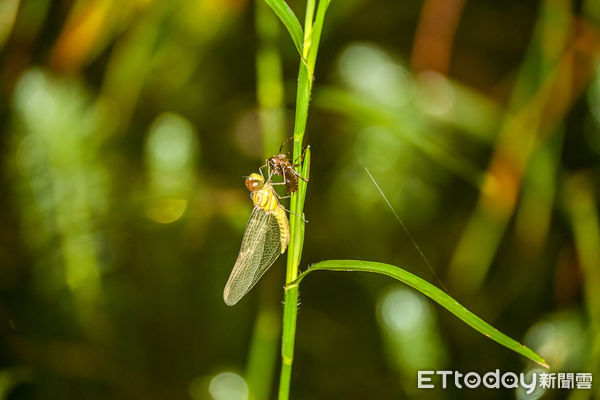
point(267, 236)
point(280, 165)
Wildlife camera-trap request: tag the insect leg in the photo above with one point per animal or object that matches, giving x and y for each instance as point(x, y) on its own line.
point(298, 164)
point(301, 157)
point(284, 142)
point(293, 213)
point(261, 168)
point(270, 172)
point(297, 174)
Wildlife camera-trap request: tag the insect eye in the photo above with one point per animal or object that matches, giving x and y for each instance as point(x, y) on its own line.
point(253, 184)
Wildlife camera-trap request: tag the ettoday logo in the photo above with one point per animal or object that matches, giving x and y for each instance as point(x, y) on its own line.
point(508, 380)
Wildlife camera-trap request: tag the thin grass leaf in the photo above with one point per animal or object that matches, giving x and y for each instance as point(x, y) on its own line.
point(305, 172)
point(316, 33)
point(430, 291)
point(297, 242)
point(302, 186)
point(289, 19)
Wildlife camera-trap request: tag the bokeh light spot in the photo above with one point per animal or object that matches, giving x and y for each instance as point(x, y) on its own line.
point(404, 311)
point(228, 386)
point(35, 101)
point(371, 71)
point(436, 96)
point(170, 142)
point(166, 211)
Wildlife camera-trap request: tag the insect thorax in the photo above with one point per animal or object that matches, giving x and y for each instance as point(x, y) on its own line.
point(265, 199)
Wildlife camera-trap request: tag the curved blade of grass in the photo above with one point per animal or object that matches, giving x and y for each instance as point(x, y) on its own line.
point(430, 291)
point(289, 19)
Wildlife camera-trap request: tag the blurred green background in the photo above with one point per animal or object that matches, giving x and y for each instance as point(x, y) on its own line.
point(127, 127)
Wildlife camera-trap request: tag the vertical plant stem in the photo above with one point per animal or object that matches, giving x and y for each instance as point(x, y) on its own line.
point(312, 35)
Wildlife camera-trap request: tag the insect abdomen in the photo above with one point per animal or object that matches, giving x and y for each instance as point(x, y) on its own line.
point(284, 228)
point(291, 182)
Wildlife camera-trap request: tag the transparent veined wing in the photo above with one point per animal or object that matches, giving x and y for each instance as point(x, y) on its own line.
point(260, 248)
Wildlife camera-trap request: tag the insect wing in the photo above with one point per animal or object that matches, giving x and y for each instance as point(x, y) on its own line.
point(260, 248)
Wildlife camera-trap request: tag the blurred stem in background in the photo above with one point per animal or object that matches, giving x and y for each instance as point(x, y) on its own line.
point(544, 92)
point(8, 14)
point(582, 207)
point(131, 62)
point(58, 144)
point(532, 224)
point(269, 79)
point(262, 355)
point(435, 33)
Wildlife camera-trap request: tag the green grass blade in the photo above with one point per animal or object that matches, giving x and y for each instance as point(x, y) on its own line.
point(289, 19)
point(316, 33)
point(430, 291)
point(305, 172)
